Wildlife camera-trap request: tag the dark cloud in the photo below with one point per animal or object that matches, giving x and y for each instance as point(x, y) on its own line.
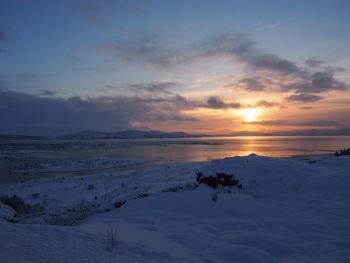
point(150, 50)
point(96, 12)
point(318, 123)
point(314, 62)
point(257, 84)
point(318, 63)
point(270, 71)
point(254, 84)
point(303, 97)
point(47, 92)
point(235, 47)
point(241, 49)
point(153, 87)
point(317, 82)
point(93, 12)
point(3, 34)
point(265, 104)
point(217, 103)
point(305, 108)
point(20, 81)
point(30, 114)
point(173, 117)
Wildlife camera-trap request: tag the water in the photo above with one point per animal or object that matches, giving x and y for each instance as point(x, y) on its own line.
point(181, 149)
point(203, 149)
point(154, 151)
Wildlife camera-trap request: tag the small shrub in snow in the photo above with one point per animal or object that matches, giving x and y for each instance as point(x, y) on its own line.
point(342, 152)
point(182, 188)
point(73, 216)
point(142, 196)
point(19, 205)
point(119, 203)
point(90, 187)
point(111, 239)
point(214, 196)
point(219, 179)
point(35, 195)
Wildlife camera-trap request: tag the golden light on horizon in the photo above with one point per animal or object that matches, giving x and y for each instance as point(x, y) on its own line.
point(249, 115)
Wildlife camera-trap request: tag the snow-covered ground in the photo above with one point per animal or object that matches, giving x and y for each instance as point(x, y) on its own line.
point(289, 210)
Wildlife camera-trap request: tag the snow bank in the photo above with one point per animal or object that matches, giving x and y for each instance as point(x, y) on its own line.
point(6, 212)
point(289, 210)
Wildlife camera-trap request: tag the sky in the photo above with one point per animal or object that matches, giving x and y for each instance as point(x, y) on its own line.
point(194, 66)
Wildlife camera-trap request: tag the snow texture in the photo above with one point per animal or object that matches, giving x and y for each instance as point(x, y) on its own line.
point(289, 210)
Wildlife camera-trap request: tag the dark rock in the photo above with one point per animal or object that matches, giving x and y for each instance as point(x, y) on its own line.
point(219, 179)
point(142, 195)
point(119, 203)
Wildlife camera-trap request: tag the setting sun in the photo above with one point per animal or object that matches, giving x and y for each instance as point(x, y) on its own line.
point(249, 114)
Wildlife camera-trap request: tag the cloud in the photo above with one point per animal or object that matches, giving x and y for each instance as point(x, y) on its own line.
point(153, 87)
point(266, 25)
point(303, 97)
point(317, 123)
point(215, 102)
point(265, 104)
point(47, 114)
point(254, 84)
point(47, 92)
point(149, 50)
point(19, 81)
point(234, 47)
point(239, 48)
point(269, 70)
point(173, 117)
point(93, 12)
point(96, 12)
point(305, 108)
point(318, 82)
point(29, 114)
point(3, 35)
point(314, 62)
point(318, 63)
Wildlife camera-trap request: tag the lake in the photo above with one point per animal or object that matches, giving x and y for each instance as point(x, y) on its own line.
point(14, 153)
point(179, 149)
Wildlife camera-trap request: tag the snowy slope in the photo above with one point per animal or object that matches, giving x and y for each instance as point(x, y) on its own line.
point(289, 210)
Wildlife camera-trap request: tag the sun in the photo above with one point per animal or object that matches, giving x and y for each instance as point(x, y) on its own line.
point(249, 114)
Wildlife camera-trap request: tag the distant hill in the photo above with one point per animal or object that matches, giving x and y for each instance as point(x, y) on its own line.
point(128, 134)
point(312, 132)
point(22, 137)
point(139, 134)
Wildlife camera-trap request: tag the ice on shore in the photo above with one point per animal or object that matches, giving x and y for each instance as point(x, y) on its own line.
point(289, 210)
point(73, 166)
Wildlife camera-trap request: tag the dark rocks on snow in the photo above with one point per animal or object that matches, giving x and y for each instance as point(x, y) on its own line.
point(219, 179)
point(119, 203)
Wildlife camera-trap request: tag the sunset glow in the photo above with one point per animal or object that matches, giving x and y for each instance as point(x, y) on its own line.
point(222, 74)
point(249, 115)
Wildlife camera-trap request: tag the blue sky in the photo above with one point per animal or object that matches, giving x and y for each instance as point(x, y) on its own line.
point(99, 51)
